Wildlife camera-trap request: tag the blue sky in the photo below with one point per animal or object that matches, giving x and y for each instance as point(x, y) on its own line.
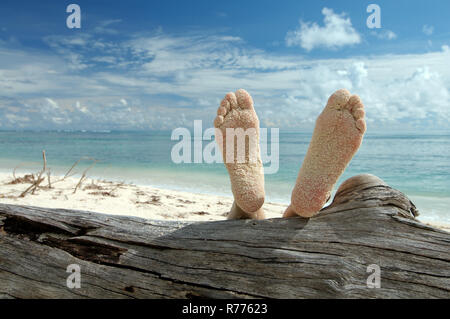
point(163, 64)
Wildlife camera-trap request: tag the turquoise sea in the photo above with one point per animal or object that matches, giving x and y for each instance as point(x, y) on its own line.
point(418, 165)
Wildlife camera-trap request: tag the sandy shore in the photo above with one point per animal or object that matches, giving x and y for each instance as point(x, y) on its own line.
point(122, 199)
point(126, 199)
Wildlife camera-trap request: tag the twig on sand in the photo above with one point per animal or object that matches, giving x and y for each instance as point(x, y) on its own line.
point(100, 190)
point(69, 173)
point(83, 176)
point(117, 187)
point(70, 170)
point(38, 180)
point(49, 181)
point(28, 178)
point(14, 171)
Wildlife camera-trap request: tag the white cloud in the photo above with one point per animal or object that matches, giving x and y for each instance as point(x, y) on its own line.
point(390, 35)
point(105, 59)
point(168, 75)
point(61, 120)
point(104, 27)
point(428, 29)
point(357, 73)
point(14, 119)
point(385, 34)
point(336, 32)
point(80, 107)
point(52, 103)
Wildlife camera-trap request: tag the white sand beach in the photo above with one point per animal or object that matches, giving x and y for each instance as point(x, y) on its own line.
point(122, 199)
point(118, 198)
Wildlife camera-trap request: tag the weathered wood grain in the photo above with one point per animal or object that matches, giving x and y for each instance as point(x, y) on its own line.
point(323, 257)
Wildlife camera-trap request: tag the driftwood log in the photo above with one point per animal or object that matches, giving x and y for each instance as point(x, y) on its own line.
point(327, 256)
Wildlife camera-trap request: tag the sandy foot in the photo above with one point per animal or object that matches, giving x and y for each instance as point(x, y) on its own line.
point(246, 172)
point(337, 136)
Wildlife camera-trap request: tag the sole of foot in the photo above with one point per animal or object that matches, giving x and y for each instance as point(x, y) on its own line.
point(337, 136)
point(237, 126)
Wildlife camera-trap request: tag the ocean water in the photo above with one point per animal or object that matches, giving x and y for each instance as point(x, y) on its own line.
point(418, 165)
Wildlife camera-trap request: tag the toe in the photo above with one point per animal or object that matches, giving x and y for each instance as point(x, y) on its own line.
point(244, 99)
point(225, 104)
point(361, 125)
point(218, 121)
point(358, 113)
point(353, 101)
point(231, 100)
point(221, 111)
point(339, 99)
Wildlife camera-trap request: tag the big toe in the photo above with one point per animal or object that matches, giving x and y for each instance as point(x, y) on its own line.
point(339, 99)
point(244, 100)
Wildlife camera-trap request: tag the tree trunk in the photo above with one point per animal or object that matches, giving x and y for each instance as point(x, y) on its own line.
point(335, 254)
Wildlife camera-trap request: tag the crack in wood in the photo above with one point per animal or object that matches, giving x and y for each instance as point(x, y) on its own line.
point(87, 250)
point(177, 281)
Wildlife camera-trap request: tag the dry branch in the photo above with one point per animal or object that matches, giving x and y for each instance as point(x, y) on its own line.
point(36, 180)
point(83, 176)
point(49, 181)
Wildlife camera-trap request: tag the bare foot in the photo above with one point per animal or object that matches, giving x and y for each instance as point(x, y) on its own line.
point(243, 161)
point(337, 136)
point(237, 213)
